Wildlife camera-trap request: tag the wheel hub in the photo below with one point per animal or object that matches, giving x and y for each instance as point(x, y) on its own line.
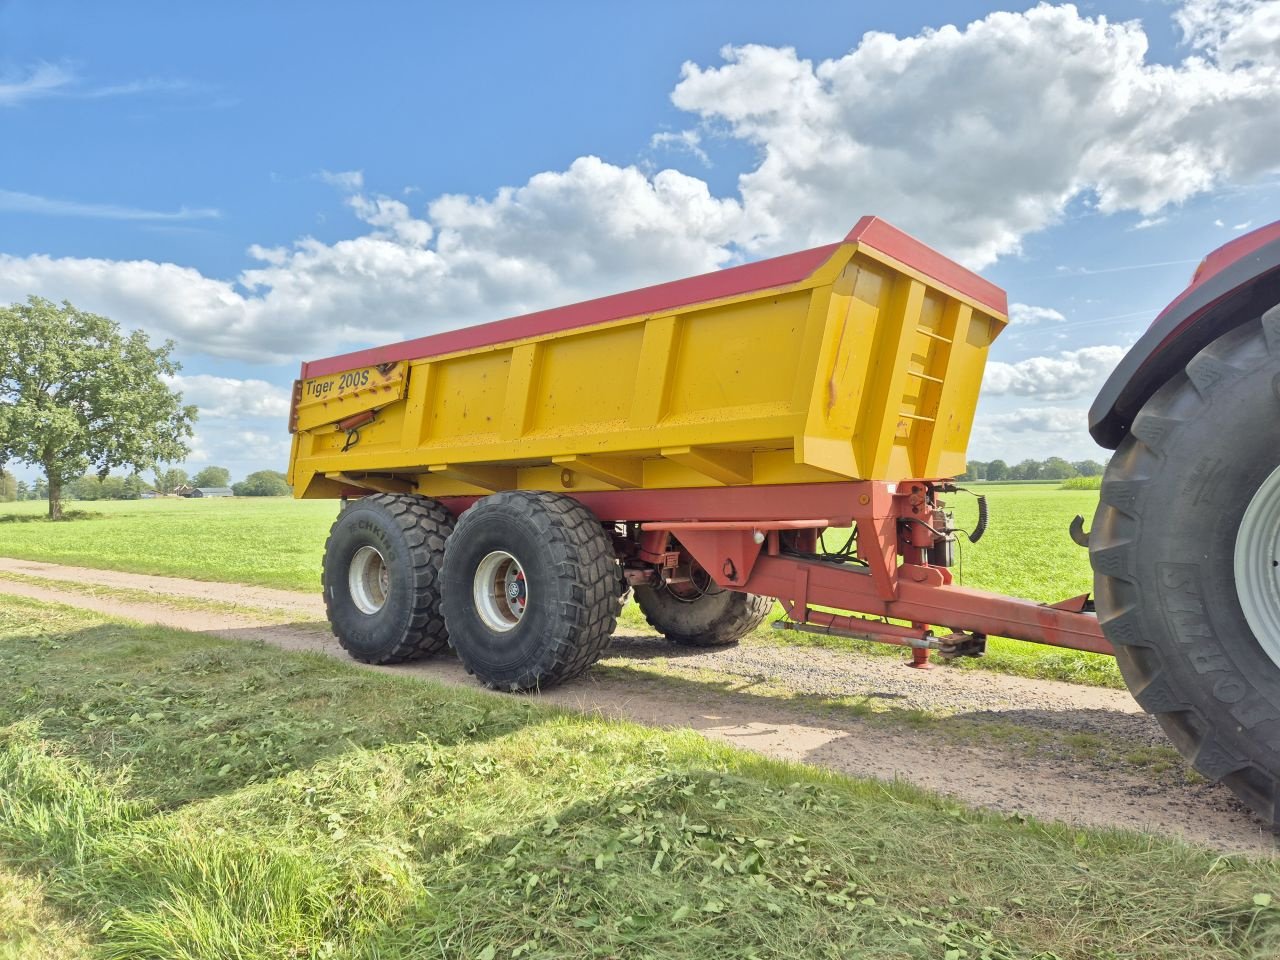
point(500, 591)
point(368, 580)
point(1257, 565)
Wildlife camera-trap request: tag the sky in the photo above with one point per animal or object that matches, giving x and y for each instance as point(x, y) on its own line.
point(270, 183)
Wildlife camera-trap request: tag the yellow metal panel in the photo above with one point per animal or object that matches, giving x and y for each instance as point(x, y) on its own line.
point(620, 472)
point(738, 357)
point(469, 395)
point(880, 423)
point(521, 396)
point(653, 372)
point(867, 369)
point(587, 381)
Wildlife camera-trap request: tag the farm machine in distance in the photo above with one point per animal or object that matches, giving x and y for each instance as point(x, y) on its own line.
point(506, 485)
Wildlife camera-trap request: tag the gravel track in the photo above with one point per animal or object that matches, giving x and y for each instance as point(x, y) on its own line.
point(1048, 785)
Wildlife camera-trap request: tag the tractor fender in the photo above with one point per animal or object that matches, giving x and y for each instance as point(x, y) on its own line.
point(1236, 283)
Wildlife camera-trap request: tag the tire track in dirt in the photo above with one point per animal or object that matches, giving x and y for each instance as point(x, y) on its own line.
point(976, 774)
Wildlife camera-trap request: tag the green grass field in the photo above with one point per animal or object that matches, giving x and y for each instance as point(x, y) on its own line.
point(279, 542)
point(272, 541)
point(166, 795)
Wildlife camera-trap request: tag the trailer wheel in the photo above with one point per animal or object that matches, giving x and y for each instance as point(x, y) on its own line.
point(530, 589)
point(707, 617)
point(381, 577)
point(1186, 556)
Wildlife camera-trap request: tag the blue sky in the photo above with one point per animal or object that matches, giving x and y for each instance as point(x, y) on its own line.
point(272, 183)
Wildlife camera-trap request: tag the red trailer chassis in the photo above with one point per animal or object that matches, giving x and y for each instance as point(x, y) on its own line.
point(889, 579)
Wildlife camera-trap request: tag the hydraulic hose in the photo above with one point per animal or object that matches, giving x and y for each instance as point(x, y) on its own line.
point(981, 526)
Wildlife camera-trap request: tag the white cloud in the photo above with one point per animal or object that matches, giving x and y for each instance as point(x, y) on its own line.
point(1069, 374)
point(42, 80)
point(15, 202)
point(593, 229)
point(1065, 420)
point(349, 181)
point(970, 137)
point(688, 140)
point(229, 397)
point(1233, 32)
point(241, 424)
point(974, 137)
point(1026, 314)
point(1036, 432)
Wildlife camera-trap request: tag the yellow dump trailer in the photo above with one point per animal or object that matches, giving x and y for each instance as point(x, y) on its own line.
point(504, 485)
point(857, 360)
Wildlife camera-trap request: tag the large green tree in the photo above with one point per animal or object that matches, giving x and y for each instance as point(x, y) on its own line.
point(264, 483)
point(212, 477)
point(77, 394)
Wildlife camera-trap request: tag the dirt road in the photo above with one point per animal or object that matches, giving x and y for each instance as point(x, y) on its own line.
point(1047, 786)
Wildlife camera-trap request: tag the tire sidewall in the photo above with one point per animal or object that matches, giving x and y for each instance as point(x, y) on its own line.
point(1214, 462)
point(368, 636)
point(510, 656)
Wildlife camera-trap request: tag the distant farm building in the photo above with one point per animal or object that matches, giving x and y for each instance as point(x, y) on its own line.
point(209, 492)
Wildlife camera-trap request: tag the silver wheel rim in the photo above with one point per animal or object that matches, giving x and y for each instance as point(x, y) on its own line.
point(1257, 566)
point(368, 580)
point(500, 591)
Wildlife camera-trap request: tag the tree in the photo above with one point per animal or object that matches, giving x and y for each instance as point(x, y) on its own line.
point(76, 393)
point(170, 480)
point(1088, 468)
point(24, 490)
point(264, 483)
point(135, 486)
point(997, 470)
point(212, 477)
point(1055, 468)
point(1026, 470)
point(8, 486)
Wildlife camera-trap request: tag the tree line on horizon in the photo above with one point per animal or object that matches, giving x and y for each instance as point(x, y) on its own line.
point(1053, 468)
point(260, 483)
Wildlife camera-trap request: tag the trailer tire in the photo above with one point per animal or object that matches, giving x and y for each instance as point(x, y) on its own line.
point(717, 618)
point(1164, 549)
point(381, 577)
point(530, 589)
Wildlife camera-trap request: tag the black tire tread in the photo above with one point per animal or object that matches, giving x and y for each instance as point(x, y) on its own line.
point(583, 557)
point(744, 612)
point(1114, 554)
point(427, 525)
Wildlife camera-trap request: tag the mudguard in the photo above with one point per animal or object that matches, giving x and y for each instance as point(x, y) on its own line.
point(1236, 283)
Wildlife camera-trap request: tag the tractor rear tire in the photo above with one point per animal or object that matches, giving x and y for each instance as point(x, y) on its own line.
point(718, 618)
point(1166, 550)
point(381, 577)
point(530, 589)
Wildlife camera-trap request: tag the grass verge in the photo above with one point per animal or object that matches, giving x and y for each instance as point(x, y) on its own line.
point(181, 797)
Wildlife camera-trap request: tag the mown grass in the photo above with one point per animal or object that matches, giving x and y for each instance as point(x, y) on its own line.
point(272, 541)
point(168, 795)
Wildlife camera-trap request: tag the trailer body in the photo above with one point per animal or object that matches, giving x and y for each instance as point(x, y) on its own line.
point(859, 360)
